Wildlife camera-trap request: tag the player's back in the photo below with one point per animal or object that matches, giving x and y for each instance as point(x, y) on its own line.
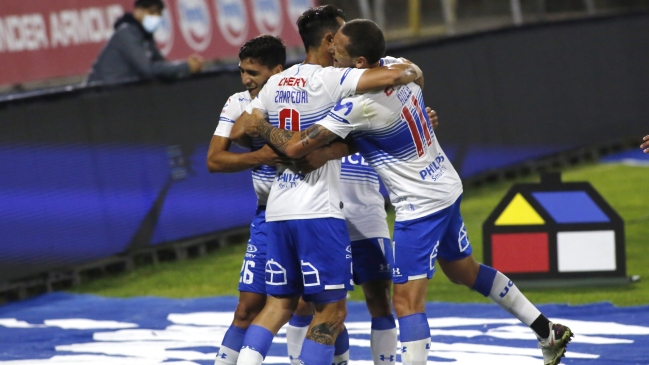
point(364, 205)
point(295, 100)
point(393, 133)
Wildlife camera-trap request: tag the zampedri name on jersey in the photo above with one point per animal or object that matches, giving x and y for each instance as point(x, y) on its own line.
point(291, 97)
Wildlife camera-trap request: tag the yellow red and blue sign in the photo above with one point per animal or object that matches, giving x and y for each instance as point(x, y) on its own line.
point(555, 230)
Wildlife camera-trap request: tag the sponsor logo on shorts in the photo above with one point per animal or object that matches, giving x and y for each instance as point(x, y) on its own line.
point(195, 23)
point(268, 16)
point(275, 273)
point(310, 274)
point(164, 36)
point(232, 18)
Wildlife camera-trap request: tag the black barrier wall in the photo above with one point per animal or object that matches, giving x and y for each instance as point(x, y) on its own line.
point(95, 172)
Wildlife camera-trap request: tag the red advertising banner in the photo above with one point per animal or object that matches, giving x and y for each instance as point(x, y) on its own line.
point(46, 39)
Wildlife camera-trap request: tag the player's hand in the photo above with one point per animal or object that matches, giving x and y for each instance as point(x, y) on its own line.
point(645, 145)
point(312, 161)
point(251, 122)
point(432, 115)
point(268, 156)
point(195, 63)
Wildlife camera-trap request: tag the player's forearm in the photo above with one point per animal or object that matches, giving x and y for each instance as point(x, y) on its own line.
point(226, 161)
point(381, 77)
point(340, 149)
point(410, 73)
point(280, 139)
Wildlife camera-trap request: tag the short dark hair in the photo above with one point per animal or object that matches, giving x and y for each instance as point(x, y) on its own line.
point(365, 39)
point(314, 23)
point(266, 49)
point(149, 3)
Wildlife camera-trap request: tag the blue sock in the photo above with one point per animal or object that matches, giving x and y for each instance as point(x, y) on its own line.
point(258, 338)
point(414, 327)
point(383, 323)
point(300, 321)
point(314, 353)
point(233, 338)
point(485, 280)
point(342, 343)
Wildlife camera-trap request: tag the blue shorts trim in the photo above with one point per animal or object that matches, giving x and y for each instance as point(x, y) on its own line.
point(418, 243)
point(370, 258)
point(252, 277)
point(308, 256)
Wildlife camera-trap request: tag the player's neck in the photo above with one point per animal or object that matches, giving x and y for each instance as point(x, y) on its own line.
point(316, 57)
point(377, 64)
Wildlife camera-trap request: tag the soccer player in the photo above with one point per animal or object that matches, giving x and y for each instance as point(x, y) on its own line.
point(645, 145)
point(365, 216)
point(392, 132)
point(260, 58)
point(309, 250)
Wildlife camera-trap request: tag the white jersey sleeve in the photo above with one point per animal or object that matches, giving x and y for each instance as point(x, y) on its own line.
point(341, 82)
point(387, 60)
point(231, 111)
point(347, 116)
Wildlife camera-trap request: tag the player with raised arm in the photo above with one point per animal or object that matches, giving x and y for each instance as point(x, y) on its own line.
point(309, 251)
point(392, 132)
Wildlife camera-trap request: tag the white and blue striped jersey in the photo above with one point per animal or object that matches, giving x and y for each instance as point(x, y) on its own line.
point(393, 133)
point(295, 99)
point(364, 206)
point(262, 176)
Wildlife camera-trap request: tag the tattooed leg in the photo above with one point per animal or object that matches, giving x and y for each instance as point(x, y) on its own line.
point(324, 333)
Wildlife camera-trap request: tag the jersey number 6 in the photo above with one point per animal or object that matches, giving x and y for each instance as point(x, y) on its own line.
point(291, 116)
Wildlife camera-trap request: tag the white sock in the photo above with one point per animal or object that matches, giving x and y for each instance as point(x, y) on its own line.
point(248, 356)
point(226, 356)
point(505, 293)
point(384, 346)
point(341, 359)
point(295, 334)
point(415, 352)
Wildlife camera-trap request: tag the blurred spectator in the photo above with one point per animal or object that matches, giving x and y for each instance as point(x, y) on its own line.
point(645, 145)
point(132, 53)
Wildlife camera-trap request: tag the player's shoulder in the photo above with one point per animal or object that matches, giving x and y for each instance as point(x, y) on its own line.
point(242, 97)
point(335, 72)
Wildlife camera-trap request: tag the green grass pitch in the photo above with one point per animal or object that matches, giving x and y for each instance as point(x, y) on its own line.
point(626, 188)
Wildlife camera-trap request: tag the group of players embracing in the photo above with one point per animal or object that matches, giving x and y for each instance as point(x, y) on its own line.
point(321, 133)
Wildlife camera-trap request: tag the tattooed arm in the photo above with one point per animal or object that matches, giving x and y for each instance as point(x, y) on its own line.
point(292, 144)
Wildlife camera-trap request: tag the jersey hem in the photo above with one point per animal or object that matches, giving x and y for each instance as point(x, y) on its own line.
point(446, 204)
point(297, 216)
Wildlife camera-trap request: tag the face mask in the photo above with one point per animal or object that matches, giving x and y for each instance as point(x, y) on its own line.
point(151, 23)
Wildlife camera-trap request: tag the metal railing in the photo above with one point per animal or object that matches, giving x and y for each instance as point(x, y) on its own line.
point(404, 19)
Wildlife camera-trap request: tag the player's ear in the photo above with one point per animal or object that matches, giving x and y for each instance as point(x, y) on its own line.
point(329, 40)
point(361, 62)
point(278, 69)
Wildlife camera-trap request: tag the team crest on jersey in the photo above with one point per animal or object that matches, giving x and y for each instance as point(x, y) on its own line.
point(268, 16)
point(164, 36)
point(232, 18)
point(195, 23)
